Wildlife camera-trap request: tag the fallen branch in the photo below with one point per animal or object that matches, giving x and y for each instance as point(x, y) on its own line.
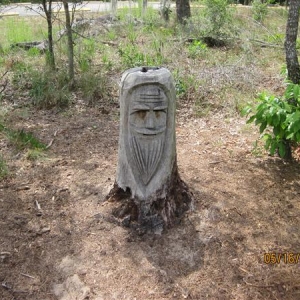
point(87, 37)
point(204, 39)
point(42, 46)
point(4, 85)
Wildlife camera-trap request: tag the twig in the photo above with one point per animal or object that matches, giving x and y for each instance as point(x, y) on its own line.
point(242, 269)
point(215, 162)
point(23, 188)
point(26, 275)
point(51, 142)
point(87, 37)
point(37, 205)
point(4, 85)
point(6, 285)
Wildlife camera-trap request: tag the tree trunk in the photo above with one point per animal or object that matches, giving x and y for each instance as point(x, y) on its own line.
point(290, 42)
point(70, 44)
point(144, 9)
point(165, 9)
point(50, 54)
point(114, 6)
point(148, 190)
point(155, 214)
point(292, 62)
point(183, 10)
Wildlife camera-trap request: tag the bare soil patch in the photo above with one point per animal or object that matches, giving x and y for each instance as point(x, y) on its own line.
point(245, 206)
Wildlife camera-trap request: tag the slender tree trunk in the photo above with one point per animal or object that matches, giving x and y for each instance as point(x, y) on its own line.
point(183, 10)
point(290, 42)
point(144, 9)
point(165, 10)
point(70, 43)
point(292, 62)
point(114, 6)
point(48, 13)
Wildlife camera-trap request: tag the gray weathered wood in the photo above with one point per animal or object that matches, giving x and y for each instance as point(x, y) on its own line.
point(147, 178)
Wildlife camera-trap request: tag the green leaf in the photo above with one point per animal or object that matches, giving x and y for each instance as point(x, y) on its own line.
point(268, 141)
point(251, 119)
point(274, 147)
point(290, 136)
point(281, 149)
point(287, 107)
point(246, 111)
point(262, 127)
point(296, 91)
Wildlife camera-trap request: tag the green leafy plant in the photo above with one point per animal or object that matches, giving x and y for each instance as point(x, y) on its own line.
point(196, 48)
point(278, 120)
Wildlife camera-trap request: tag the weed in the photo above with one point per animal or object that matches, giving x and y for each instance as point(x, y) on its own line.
point(258, 150)
point(112, 34)
point(35, 154)
point(196, 48)
point(3, 168)
point(185, 85)
point(107, 62)
point(20, 73)
point(85, 53)
point(132, 33)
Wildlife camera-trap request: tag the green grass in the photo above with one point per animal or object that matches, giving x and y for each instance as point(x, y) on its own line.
point(21, 139)
point(16, 29)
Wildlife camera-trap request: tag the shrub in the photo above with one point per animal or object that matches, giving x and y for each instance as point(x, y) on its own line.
point(218, 15)
point(259, 10)
point(278, 120)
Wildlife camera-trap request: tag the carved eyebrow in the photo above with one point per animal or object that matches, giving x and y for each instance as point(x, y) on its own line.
point(164, 107)
point(140, 107)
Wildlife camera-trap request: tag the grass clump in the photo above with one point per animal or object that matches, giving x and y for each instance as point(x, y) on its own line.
point(50, 89)
point(21, 139)
point(94, 87)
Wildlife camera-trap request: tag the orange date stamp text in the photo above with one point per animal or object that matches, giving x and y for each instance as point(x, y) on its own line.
point(284, 257)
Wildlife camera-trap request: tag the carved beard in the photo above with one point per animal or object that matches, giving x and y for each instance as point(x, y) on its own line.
point(146, 154)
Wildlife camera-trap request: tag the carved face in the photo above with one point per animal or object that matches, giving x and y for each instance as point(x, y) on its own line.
point(148, 111)
point(147, 125)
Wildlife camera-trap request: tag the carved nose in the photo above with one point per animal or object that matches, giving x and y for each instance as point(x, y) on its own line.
point(150, 120)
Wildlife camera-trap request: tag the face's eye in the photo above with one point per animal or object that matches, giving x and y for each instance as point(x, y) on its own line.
point(142, 114)
point(157, 113)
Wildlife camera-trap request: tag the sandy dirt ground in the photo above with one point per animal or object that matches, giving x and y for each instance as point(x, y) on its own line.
point(240, 241)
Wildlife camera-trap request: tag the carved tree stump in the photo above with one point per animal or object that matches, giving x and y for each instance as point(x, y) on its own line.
point(150, 193)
